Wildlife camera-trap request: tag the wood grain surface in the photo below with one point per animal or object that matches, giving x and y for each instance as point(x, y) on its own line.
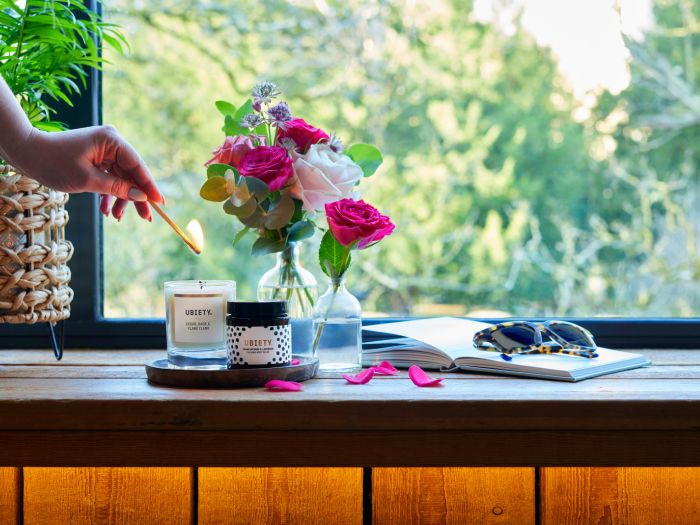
point(304, 496)
point(10, 495)
point(607, 496)
point(453, 496)
point(124, 496)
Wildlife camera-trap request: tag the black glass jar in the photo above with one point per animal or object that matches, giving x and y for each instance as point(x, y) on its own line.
point(258, 334)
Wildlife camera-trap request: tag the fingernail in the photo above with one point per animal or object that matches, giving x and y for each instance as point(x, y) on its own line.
point(136, 194)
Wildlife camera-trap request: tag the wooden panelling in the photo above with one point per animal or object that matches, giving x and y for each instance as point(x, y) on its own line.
point(607, 496)
point(304, 496)
point(453, 496)
point(123, 496)
point(10, 495)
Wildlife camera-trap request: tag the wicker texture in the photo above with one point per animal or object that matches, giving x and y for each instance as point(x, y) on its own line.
point(34, 274)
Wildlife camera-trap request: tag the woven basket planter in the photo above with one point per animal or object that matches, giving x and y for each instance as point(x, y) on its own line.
point(34, 253)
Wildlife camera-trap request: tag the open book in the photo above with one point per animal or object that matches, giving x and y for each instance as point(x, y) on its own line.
point(446, 343)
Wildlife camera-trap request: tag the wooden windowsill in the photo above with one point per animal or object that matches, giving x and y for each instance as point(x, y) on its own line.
point(96, 408)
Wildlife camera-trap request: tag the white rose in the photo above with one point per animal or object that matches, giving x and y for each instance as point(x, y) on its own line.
point(323, 176)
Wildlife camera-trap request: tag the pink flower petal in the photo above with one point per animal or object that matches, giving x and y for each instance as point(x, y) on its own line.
point(420, 378)
point(362, 378)
point(277, 385)
point(385, 368)
point(296, 362)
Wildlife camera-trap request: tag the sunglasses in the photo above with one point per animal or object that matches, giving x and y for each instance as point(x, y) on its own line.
point(524, 337)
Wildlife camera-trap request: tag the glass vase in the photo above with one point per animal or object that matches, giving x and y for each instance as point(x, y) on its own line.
point(338, 329)
point(289, 281)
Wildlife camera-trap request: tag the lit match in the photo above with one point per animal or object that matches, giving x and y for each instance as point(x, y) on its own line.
point(193, 227)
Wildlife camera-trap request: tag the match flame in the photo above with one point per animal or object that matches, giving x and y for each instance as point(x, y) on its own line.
point(196, 234)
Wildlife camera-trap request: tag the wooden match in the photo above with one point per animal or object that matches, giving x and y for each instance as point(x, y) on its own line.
point(193, 246)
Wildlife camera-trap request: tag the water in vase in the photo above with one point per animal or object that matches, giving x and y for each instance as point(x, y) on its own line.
point(339, 345)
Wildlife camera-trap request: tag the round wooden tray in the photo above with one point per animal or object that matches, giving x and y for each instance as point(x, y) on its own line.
point(162, 373)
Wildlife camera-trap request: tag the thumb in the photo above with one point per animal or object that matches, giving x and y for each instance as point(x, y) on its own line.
point(109, 184)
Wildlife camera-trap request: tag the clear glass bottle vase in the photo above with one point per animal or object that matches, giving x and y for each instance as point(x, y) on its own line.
point(289, 281)
point(338, 329)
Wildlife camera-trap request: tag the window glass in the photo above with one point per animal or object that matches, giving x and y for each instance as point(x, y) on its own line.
point(537, 162)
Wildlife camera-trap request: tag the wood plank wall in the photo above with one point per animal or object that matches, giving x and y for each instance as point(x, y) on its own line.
point(334, 496)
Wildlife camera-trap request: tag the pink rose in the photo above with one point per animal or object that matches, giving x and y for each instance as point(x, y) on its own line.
point(353, 221)
point(302, 133)
point(323, 176)
point(270, 164)
point(232, 150)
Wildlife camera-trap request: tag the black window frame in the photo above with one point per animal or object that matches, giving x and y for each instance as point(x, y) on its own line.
point(88, 328)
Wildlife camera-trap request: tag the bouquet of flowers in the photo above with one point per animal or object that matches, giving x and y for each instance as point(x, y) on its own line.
point(275, 173)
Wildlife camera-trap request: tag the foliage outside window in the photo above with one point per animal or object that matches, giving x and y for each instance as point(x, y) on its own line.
point(512, 193)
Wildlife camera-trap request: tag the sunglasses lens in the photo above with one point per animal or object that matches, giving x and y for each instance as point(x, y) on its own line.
point(572, 334)
point(512, 337)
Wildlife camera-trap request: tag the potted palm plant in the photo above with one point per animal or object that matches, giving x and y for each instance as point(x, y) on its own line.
point(46, 51)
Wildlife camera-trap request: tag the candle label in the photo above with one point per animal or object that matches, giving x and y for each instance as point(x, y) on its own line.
point(259, 345)
point(198, 318)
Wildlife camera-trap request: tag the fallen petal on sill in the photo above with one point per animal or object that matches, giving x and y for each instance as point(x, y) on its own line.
point(385, 368)
point(277, 385)
point(420, 378)
point(362, 378)
point(296, 362)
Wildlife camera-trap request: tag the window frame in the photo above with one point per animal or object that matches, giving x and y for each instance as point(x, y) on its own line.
point(88, 328)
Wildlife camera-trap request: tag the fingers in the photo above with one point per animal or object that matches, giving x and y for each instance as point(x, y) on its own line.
point(110, 184)
point(118, 208)
point(105, 201)
point(144, 211)
point(132, 166)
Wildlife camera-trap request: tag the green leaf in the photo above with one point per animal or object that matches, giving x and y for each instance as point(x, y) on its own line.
point(366, 156)
point(231, 127)
point(225, 108)
point(214, 189)
point(265, 245)
point(240, 235)
point(245, 210)
point(300, 231)
point(280, 213)
point(219, 170)
point(333, 257)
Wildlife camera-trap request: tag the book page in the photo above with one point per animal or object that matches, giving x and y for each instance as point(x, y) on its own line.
point(448, 335)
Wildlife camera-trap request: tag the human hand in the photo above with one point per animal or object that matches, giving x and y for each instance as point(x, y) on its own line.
point(95, 159)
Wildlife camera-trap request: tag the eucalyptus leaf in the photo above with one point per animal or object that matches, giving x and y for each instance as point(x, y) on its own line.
point(225, 108)
point(265, 245)
point(257, 187)
point(219, 170)
point(280, 213)
point(333, 257)
point(255, 220)
point(245, 210)
point(300, 231)
point(367, 157)
point(241, 195)
point(214, 189)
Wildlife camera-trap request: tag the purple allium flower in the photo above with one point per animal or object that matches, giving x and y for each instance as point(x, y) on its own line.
point(252, 121)
point(265, 91)
point(279, 114)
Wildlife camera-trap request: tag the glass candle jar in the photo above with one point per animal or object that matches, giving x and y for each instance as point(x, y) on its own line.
point(195, 321)
point(258, 334)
